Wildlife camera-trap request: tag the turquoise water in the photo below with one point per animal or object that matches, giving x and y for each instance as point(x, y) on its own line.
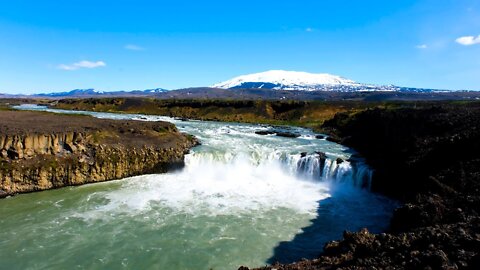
point(242, 199)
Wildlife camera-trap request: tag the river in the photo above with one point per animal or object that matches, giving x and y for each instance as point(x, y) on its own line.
point(242, 199)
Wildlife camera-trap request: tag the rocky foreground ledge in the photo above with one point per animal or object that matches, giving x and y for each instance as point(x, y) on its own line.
point(429, 158)
point(40, 151)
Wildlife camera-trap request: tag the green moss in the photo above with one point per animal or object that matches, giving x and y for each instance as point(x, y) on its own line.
point(161, 129)
point(5, 166)
point(101, 136)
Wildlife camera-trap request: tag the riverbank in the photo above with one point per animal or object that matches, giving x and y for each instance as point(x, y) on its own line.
point(310, 114)
point(425, 154)
point(40, 151)
point(238, 189)
point(429, 158)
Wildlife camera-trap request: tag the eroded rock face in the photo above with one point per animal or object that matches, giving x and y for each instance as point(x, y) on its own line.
point(99, 163)
point(29, 145)
point(99, 151)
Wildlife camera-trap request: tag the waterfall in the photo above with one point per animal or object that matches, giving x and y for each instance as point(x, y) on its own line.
point(314, 167)
point(240, 150)
point(319, 167)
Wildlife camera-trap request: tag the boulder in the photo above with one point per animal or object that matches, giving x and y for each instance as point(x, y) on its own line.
point(14, 154)
point(322, 158)
point(264, 132)
point(70, 147)
point(288, 134)
point(321, 155)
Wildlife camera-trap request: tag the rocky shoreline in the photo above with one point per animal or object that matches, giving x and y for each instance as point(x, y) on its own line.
point(429, 159)
point(41, 151)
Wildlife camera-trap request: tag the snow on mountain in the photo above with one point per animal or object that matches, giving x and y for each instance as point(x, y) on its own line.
point(286, 80)
point(93, 93)
point(294, 80)
point(75, 92)
point(157, 90)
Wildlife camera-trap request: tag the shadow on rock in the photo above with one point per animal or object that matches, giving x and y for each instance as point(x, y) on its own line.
point(348, 209)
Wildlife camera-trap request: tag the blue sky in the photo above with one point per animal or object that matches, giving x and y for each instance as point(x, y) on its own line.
point(48, 46)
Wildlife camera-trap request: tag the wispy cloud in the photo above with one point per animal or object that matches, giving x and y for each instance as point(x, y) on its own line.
point(422, 46)
point(309, 29)
point(82, 64)
point(468, 40)
point(133, 47)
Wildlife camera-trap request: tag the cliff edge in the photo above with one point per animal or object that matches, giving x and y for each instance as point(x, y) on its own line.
point(40, 151)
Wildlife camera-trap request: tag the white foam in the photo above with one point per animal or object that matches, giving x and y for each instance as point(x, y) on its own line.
point(213, 187)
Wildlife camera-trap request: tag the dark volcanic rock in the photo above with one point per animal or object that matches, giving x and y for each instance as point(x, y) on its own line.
point(413, 150)
point(288, 134)
point(333, 139)
point(319, 137)
point(453, 246)
point(430, 159)
point(323, 158)
point(264, 132)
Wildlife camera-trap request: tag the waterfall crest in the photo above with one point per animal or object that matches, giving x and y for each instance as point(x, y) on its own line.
point(320, 167)
point(313, 167)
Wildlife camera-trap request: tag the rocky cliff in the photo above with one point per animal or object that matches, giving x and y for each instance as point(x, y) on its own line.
point(40, 151)
point(428, 157)
point(30, 145)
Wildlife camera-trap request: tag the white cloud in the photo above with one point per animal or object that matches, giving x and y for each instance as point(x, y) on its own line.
point(468, 40)
point(82, 64)
point(422, 46)
point(133, 47)
point(309, 29)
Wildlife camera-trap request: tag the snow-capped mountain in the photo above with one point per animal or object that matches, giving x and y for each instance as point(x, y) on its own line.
point(95, 93)
point(294, 80)
point(75, 92)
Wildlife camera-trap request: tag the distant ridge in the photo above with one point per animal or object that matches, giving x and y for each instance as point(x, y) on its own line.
point(277, 84)
point(304, 81)
point(96, 93)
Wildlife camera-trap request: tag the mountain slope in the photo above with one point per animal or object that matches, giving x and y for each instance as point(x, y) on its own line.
point(294, 80)
point(96, 93)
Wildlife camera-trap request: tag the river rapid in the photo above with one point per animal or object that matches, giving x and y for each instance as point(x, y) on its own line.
point(242, 199)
